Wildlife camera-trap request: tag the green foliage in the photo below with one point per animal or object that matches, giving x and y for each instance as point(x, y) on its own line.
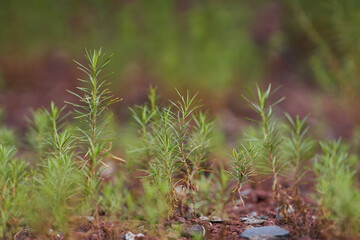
point(7, 136)
point(243, 167)
point(117, 200)
point(204, 197)
point(332, 33)
point(154, 206)
point(282, 150)
point(12, 177)
point(269, 143)
point(337, 195)
point(38, 130)
point(176, 141)
point(207, 41)
point(298, 148)
point(201, 137)
point(57, 187)
point(221, 193)
point(91, 110)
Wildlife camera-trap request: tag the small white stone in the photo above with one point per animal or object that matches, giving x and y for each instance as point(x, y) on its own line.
point(204, 218)
point(130, 236)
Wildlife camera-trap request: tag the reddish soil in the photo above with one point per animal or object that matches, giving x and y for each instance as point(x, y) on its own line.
point(258, 201)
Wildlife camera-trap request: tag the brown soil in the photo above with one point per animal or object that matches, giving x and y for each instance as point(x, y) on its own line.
point(258, 201)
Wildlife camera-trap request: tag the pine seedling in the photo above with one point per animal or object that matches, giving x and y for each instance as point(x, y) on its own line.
point(201, 138)
point(145, 117)
point(7, 136)
point(269, 143)
point(164, 166)
point(242, 168)
point(186, 108)
point(222, 191)
point(176, 140)
point(12, 176)
point(299, 148)
point(204, 197)
point(39, 127)
point(117, 200)
point(154, 205)
point(95, 140)
point(58, 185)
point(337, 195)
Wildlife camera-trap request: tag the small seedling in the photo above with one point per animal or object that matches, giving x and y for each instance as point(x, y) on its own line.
point(57, 186)
point(337, 196)
point(242, 168)
point(176, 142)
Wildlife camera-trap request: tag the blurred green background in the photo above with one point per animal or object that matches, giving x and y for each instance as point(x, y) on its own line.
point(310, 48)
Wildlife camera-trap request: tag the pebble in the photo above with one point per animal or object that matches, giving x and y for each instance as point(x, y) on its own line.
point(216, 219)
point(254, 214)
point(255, 220)
point(204, 218)
point(131, 236)
point(265, 232)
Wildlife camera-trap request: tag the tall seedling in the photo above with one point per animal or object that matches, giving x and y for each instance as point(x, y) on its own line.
point(269, 142)
point(95, 141)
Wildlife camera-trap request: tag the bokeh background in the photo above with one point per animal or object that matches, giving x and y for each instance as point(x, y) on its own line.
point(309, 48)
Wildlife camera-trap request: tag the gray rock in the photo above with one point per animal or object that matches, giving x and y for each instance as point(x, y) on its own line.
point(264, 237)
point(267, 231)
point(254, 220)
point(215, 219)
